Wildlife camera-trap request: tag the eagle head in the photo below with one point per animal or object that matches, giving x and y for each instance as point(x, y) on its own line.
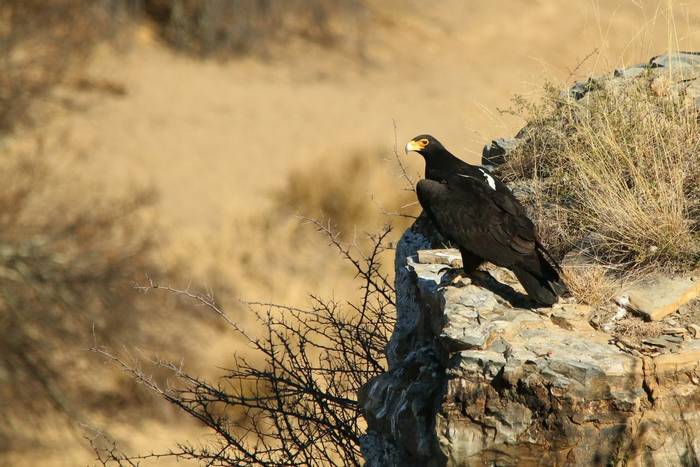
point(423, 145)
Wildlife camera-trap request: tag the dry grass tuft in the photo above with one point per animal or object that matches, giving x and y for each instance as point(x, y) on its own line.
point(614, 174)
point(590, 284)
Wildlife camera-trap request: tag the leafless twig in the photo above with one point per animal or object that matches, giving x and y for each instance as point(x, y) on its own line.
point(410, 183)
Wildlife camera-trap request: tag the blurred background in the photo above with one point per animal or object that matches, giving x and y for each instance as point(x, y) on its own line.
point(181, 140)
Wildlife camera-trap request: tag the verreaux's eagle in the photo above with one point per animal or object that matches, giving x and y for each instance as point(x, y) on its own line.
point(478, 213)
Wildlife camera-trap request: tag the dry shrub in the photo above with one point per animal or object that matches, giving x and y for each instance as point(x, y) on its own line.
point(66, 262)
point(41, 42)
point(614, 174)
point(207, 27)
point(590, 284)
point(353, 193)
point(290, 395)
point(66, 255)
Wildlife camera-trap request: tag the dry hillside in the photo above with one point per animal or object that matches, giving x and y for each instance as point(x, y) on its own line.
point(235, 147)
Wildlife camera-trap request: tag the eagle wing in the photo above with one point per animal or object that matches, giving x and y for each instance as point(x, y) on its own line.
point(479, 218)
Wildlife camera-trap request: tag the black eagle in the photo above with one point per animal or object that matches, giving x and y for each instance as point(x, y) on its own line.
point(478, 213)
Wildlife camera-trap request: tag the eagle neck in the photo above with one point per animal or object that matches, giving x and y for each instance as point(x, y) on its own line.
point(441, 161)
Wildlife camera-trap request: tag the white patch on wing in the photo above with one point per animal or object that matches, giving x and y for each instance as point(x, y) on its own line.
point(489, 179)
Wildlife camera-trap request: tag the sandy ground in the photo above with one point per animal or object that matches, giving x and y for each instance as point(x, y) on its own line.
point(214, 138)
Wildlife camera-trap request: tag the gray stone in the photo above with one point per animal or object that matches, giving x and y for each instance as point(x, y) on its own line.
point(677, 59)
point(657, 297)
point(632, 72)
point(694, 330)
point(684, 66)
point(580, 89)
point(450, 257)
point(495, 153)
point(421, 235)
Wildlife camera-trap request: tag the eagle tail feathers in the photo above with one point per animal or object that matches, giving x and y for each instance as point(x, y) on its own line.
point(545, 255)
point(537, 289)
point(543, 283)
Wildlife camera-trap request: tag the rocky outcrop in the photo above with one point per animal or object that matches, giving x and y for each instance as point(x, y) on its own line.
point(482, 379)
point(683, 82)
point(477, 376)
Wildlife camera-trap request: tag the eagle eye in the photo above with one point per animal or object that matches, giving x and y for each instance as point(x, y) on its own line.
point(424, 142)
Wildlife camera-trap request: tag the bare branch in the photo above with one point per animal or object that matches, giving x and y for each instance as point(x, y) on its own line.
point(410, 183)
point(299, 407)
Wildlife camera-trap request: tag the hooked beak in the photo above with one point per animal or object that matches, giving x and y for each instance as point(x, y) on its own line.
point(412, 146)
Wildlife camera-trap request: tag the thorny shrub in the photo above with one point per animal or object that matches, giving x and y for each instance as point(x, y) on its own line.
point(300, 404)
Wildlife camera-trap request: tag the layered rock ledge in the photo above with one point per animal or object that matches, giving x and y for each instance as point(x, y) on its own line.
point(478, 377)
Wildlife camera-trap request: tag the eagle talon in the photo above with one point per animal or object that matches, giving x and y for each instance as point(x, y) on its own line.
point(444, 268)
point(447, 274)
